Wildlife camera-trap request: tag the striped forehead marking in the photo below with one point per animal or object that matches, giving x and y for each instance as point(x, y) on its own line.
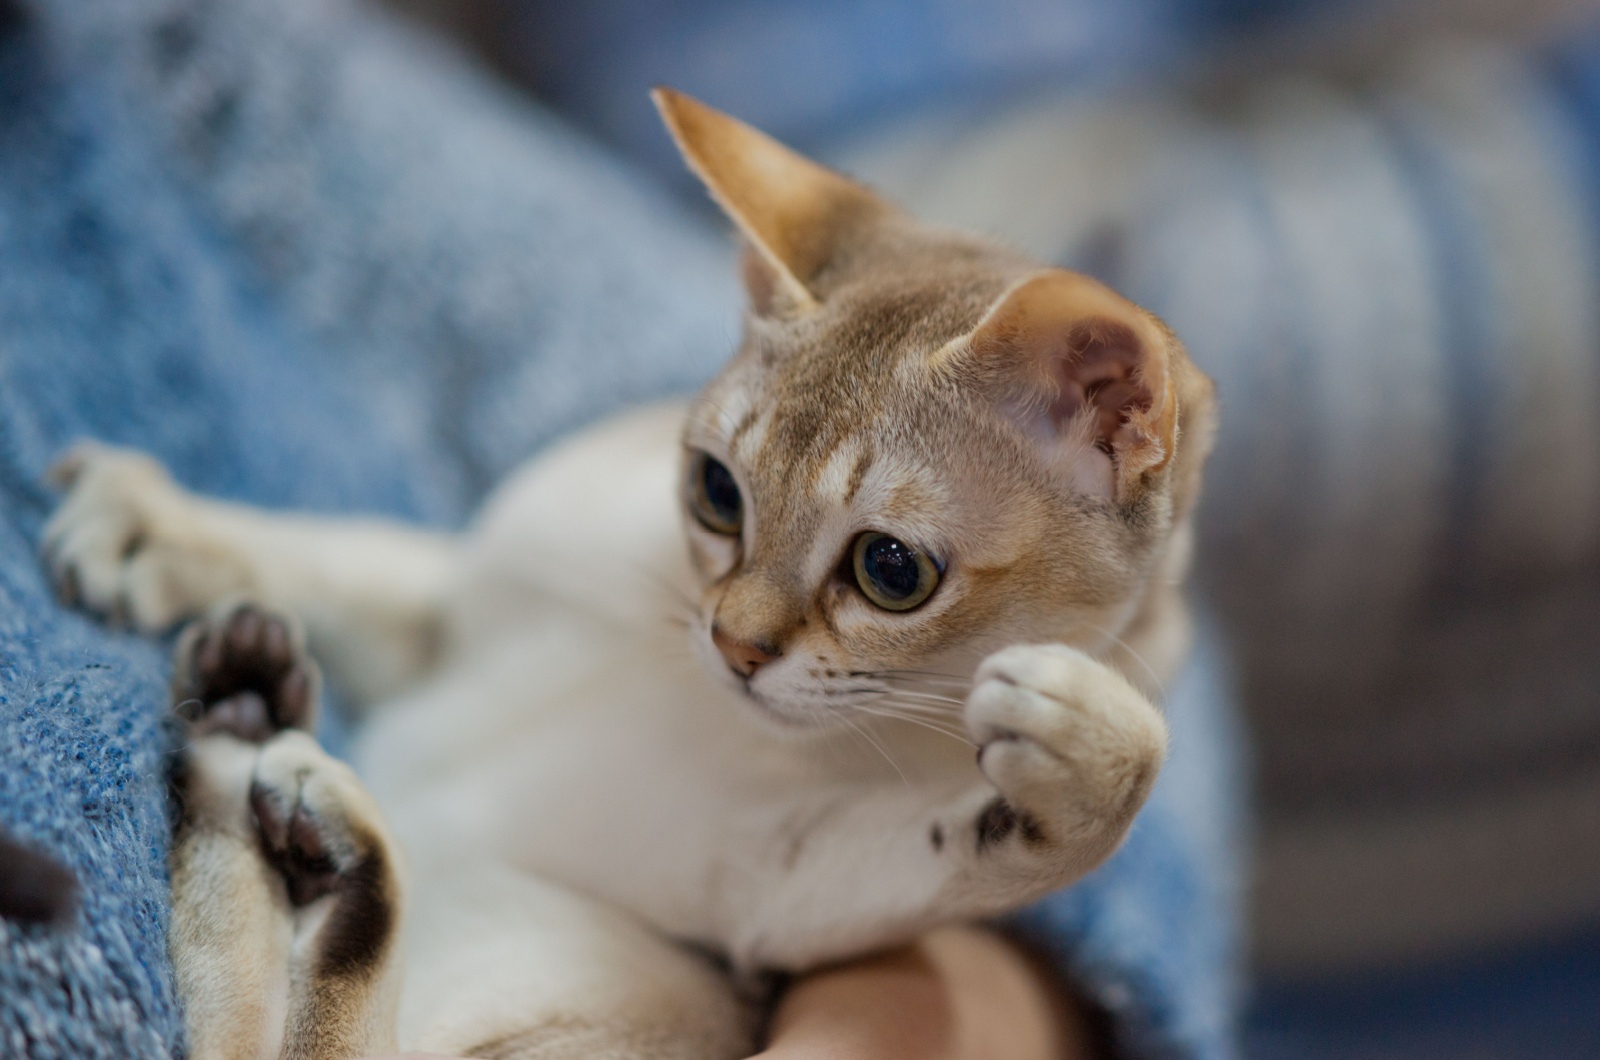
point(839, 479)
point(831, 483)
point(750, 434)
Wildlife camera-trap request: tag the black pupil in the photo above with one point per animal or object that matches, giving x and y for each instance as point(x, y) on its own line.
point(722, 493)
point(892, 566)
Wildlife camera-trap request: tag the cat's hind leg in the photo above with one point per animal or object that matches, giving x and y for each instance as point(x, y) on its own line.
point(286, 885)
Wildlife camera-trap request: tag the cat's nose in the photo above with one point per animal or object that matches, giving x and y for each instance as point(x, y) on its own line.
point(744, 657)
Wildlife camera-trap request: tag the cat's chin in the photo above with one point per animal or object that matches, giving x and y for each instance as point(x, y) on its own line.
point(785, 719)
point(773, 714)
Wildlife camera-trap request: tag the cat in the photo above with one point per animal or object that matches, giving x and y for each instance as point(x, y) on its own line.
point(937, 503)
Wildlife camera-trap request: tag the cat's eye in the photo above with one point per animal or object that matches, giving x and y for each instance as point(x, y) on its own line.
point(714, 495)
point(891, 573)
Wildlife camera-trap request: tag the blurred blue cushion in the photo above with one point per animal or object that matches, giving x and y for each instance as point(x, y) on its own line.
point(1537, 1001)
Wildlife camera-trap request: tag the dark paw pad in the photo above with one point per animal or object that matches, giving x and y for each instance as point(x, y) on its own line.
point(298, 844)
point(320, 852)
point(244, 674)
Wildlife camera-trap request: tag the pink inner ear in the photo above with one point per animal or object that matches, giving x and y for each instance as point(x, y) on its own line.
point(1098, 375)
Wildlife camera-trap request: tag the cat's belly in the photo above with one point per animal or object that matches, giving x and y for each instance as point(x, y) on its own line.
point(618, 770)
point(493, 953)
point(618, 773)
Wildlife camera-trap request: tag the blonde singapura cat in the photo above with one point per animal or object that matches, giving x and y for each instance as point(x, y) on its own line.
point(939, 499)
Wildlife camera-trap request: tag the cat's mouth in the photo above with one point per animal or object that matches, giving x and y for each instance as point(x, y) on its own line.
point(790, 710)
point(774, 708)
point(814, 709)
point(792, 695)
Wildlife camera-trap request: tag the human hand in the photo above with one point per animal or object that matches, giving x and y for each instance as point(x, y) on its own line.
point(958, 994)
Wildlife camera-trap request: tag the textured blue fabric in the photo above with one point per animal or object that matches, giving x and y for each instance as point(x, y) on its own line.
point(310, 260)
point(117, 318)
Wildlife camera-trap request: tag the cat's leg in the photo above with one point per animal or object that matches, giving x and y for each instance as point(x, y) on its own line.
point(1068, 750)
point(504, 965)
point(130, 543)
point(285, 885)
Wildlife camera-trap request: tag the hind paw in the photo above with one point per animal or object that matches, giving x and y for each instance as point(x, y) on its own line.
point(244, 670)
point(319, 828)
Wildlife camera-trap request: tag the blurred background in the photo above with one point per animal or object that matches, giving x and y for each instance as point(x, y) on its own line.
point(1377, 224)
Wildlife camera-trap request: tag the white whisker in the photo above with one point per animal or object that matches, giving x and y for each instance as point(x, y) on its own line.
point(928, 697)
point(922, 722)
point(933, 710)
point(856, 727)
point(1155, 679)
point(925, 700)
point(934, 676)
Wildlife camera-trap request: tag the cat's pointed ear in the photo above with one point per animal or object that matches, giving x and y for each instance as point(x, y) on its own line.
point(1085, 368)
point(791, 211)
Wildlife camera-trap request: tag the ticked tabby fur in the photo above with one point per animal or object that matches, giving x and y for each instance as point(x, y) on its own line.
point(939, 500)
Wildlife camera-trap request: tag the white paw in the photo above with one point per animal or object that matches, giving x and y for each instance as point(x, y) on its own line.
point(128, 543)
point(1071, 746)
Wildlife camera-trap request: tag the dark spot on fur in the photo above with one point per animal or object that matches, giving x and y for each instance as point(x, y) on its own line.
point(936, 837)
point(34, 887)
point(858, 474)
point(136, 542)
point(995, 822)
point(360, 922)
point(746, 421)
point(999, 819)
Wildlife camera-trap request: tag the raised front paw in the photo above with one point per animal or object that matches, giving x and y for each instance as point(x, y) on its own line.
point(1072, 748)
point(128, 543)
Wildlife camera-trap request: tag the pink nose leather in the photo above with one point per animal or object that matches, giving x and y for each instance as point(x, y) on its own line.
point(744, 659)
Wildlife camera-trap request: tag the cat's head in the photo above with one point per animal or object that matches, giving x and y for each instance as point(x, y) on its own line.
point(927, 446)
